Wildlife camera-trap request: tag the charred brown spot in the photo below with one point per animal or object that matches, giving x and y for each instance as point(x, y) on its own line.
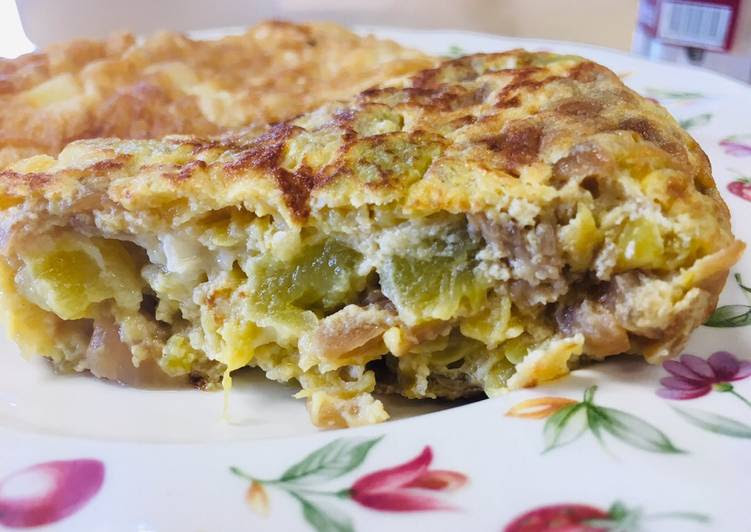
point(296, 187)
point(459, 69)
point(440, 98)
point(255, 157)
point(589, 72)
point(187, 171)
point(579, 108)
point(108, 164)
point(643, 127)
point(263, 152)
point(470, 67)
point(426, 78)
point(649, 132)
point(199, 144)
point(519, 144)
point(445, 98)
point(522, 81)
point(374, 93)
point(462, 121)
point(509, 102)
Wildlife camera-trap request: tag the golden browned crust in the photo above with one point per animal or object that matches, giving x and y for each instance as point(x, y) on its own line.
point(536, 121)
point(169, 83)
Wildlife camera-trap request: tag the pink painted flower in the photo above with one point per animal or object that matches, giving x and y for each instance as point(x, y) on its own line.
point(741, 188)
point(48, 492)
point(405, 488)
point(736, 146)
point(693, 377)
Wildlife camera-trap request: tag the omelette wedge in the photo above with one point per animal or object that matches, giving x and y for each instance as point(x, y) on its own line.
point(482, 225)
point(169, 83)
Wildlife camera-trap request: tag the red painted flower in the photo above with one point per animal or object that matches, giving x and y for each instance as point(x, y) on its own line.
point(404, 488)
point(586, 518)
point(693, 377)
point(558, 518)
point(48, 492)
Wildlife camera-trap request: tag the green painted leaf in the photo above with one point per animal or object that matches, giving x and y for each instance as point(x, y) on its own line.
point(715, 423)
point(455, 51)
point(565, 426)
point(730, 316)
point(330, 461)
point(620, 518)
point(618, 510)
point(696, 121)
point(739, 280)
point(595, 421)
point(327, 520)
point(672, 95)
point(611, 525)
point(626, 524)
point(635, 431)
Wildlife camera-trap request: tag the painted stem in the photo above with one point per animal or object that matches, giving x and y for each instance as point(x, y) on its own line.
point(242, 474)
point(691, 516)
point(589, 394)
point(295, 491)
point(739, 396)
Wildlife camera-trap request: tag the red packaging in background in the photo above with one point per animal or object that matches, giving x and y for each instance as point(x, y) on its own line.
point(714, 34)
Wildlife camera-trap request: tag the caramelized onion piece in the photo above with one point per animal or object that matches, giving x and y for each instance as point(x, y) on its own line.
point(346, 333)
point(108, 357)
point(603, 336)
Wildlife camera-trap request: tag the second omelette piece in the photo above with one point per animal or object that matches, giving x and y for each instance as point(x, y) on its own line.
point(169, 83)
point(479, 226)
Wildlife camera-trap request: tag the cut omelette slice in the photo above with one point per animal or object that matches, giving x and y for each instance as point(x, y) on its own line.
point(479, 226)
point(168, 83)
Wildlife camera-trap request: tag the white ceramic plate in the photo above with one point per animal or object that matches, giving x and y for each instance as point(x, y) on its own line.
point(84, 455)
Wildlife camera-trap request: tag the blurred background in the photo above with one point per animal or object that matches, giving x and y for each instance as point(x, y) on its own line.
point(711, 33)
point(605, 22)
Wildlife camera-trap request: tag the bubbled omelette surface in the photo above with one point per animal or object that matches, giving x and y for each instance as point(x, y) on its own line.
point(474, 134)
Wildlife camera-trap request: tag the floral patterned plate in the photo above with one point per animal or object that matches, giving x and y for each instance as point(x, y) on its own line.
point(618, 446)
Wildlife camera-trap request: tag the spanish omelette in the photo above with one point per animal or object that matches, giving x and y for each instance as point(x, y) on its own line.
point(478, 226)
